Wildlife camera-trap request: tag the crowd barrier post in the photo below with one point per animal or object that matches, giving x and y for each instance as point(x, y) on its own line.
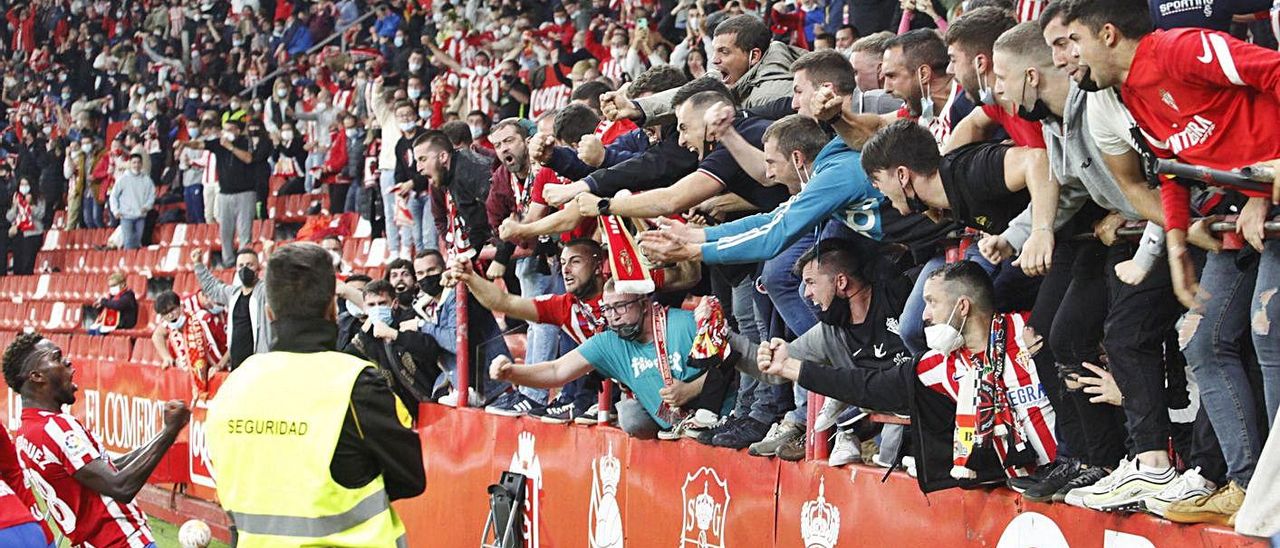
point(464, 348)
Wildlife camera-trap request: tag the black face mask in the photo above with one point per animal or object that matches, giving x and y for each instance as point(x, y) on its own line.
point(248, 276)
point(405, 298)
point(916, 205)
point(629, 332)
point(430, 284)
point(837, 313)
point(1087, 83)
point(1039, 110)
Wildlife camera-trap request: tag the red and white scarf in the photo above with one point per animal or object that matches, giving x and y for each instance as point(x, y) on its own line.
point(22, 219)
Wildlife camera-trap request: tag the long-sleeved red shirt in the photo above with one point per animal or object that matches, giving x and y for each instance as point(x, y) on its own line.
point(1207, 99)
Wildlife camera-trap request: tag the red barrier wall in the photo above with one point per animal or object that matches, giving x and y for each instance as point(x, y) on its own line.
point(597, 482)
point(599, 488)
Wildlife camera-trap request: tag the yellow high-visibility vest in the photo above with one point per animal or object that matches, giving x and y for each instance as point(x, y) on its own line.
point(272, 430)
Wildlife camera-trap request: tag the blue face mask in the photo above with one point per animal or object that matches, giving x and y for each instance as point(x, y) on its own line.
point(380, 313)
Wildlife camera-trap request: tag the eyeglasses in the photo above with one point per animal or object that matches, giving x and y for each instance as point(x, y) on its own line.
point(618, 309)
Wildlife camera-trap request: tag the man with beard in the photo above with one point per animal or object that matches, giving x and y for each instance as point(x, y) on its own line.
point(646, 349)
point(512, 196)
point(248, 328)
point(915, 70)
point(88, 493)
point(969, 42)
point(425, 318)
point(576, 312)
point(859, 297)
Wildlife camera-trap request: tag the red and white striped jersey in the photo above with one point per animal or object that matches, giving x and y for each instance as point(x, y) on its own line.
point(1029, 10)
point(942, 373)
point(612, 69)
point(482, 92)
point(549, 95)
point(52, 448)
point(579, 319)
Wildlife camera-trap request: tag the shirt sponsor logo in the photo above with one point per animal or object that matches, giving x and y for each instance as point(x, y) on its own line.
point(1027, 396)
point(1198, 130)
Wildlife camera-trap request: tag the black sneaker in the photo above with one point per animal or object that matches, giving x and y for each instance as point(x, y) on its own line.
point(1086, 477)
point(1064, 470)
point(742, 435)
point(512, 404)
point(1020, 485)
point(559, 411)
point(704, 437)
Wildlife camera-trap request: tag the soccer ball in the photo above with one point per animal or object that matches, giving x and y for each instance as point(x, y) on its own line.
point(194, 534)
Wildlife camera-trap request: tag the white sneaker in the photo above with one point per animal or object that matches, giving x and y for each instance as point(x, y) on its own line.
point(779, 434)
point(1075, 497)
point(690, 426)
point(1188, 486)
point(847, 448)
point(451, 399)
point(1137, 482)
point(827, 416)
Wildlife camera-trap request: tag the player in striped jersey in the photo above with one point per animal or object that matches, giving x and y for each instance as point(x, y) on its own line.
point(87, 493)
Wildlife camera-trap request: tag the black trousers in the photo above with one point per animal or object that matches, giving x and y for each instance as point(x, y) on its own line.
point(24, 253)
point(1076, 336)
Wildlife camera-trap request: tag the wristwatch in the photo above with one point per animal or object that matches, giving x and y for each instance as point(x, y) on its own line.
point(603, 206)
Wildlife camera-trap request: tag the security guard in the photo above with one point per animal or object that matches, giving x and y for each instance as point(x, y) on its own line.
point(310, 446)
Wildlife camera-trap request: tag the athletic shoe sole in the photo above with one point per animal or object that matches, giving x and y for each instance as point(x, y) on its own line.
point(1131, 493)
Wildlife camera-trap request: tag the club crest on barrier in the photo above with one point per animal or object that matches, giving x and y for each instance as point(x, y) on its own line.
point(820, 521)
point(706, 505)
point(605, 521)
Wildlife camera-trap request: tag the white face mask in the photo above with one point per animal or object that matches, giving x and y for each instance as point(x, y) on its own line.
point(87, 148)
point(482, 70)
point(24, 190)
point(424, 114)
point(476, 132)
point(354, 310)
point(944, 337)
point(178, 323)
point(282, 93)
point(228, 136)
point(286, 135)
point(113, 290)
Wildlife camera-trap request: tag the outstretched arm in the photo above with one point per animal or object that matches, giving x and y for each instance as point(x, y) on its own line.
point(490, 295)
point(551, 374)
point(123, 484)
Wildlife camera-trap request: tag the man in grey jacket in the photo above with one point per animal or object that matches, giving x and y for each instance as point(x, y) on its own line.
point(756, 70)
point(248, 330)
point(131, 198)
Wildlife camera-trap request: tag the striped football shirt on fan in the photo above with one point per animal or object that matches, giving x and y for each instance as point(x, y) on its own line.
point(942, 373)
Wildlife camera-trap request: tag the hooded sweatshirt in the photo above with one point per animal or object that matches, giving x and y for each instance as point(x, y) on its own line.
point(765, 81)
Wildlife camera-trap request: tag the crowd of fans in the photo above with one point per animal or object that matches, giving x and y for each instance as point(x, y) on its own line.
point(585, 169)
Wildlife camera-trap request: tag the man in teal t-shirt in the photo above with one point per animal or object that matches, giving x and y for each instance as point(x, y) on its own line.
point(627, 353)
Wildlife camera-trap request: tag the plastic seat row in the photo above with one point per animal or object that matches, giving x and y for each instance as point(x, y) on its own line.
point(84, 288)
point(295, 207)
point(84, 238)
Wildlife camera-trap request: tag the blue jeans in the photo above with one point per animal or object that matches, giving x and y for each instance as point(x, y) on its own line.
point(426, 224)
point(352, 204)
point(542, 339)
point(760, 401)
point(386, 181)
point(784, 290)
point(1264, 312)
point(131, 228)
point(1214, 355)
point(91, 212)
point(193, 198)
